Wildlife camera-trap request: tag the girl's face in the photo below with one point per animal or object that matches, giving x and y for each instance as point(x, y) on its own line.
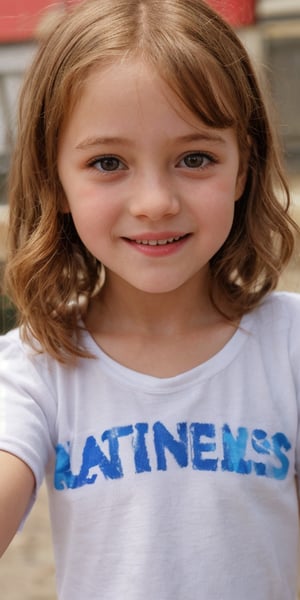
point(151, 189)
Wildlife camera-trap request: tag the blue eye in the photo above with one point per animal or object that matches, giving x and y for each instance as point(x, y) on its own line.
point(196, 160)
point(108, 164)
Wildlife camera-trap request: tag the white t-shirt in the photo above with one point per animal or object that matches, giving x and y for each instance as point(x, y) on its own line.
point(167, 489)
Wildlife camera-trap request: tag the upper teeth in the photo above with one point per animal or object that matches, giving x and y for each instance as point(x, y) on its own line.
point(158, 242)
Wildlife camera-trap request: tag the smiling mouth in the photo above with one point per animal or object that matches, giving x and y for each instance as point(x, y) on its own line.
point(163, 242)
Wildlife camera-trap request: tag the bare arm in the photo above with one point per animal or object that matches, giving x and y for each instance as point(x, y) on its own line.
point(16, 487)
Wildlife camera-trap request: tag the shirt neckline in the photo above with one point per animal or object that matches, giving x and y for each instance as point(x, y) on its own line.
point(205, 370)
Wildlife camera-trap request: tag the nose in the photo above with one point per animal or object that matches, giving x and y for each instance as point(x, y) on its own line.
point(154, 198)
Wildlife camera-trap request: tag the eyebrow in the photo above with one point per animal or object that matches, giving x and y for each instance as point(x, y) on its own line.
point(91, 142)
point(100, 141)
point(202, 137)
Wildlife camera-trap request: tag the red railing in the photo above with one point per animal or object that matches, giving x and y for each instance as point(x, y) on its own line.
point(238, 12)
point(18, 20)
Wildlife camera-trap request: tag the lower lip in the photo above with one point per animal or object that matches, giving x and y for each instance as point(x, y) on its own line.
point(159, 250)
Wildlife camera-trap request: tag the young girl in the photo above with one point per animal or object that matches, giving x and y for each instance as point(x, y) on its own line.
point(154, 378)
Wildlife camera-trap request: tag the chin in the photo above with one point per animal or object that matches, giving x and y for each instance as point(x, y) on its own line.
point(158, 287)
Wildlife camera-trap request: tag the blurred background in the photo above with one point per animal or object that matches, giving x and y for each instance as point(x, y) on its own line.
point(270, 30)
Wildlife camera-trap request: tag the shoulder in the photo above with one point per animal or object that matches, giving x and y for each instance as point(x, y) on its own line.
point(12, 348)
point(10, 340)
point(28, 365)
point(278, 308)
point(22, 365)
point(275, 325)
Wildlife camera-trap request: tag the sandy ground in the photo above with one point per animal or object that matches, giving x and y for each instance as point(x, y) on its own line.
point(26, 570)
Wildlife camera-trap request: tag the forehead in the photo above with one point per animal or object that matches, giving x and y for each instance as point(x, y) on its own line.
point(133, 89)
point(132, 86)
point(129, 104)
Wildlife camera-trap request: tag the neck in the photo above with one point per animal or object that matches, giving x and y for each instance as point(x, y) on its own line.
point(122, 308)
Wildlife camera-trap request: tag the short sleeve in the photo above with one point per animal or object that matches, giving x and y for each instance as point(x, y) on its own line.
point(27, 407)
point(292, 303)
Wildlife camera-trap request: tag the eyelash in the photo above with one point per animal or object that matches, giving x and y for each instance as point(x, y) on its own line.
point(203, 155)
point(111, 157)
point(107, 157)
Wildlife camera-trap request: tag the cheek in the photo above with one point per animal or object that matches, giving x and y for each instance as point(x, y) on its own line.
point(93, 214)
point(215, 217)
point(217, 200)
point(88, 217)
point(84, 202)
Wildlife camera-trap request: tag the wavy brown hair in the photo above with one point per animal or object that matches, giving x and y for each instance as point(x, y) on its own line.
point(202, 60)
